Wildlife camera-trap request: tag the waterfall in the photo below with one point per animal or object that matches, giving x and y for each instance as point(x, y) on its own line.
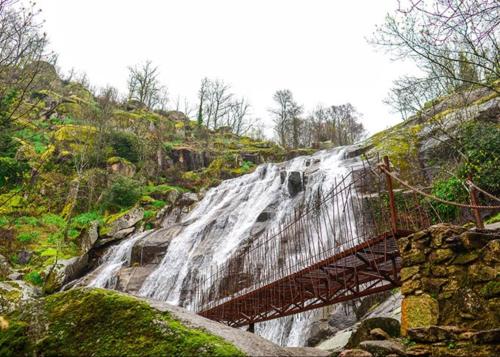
point(115, 258)
point(224, 219)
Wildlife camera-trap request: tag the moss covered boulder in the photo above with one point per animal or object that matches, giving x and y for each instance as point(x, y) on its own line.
point(99, 322)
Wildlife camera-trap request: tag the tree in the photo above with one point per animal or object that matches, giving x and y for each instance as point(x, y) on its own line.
point(144, 85)
point(218, 107)
point(453, 42)
point(338, 123)
point(286, 118)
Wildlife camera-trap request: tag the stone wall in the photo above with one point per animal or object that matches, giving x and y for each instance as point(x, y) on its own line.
point(451, 287)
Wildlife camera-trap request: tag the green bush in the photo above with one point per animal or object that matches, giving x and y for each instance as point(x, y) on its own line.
point(451, 190)
point(34, 277)
point(480, 143)
point(51, 219)
point(27, 237)
point(123, 193)
point(11, 171)
point(125, 145)
point(26, 220)
point(85, 219)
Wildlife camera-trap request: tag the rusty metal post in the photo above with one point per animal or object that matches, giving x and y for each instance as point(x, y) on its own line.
point(474, 202)
point(392, 201)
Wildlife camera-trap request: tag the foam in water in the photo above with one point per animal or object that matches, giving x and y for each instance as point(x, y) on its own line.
point(222, 221)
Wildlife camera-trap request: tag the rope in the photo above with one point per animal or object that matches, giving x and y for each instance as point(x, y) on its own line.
point(470, 183)
point(407, 185)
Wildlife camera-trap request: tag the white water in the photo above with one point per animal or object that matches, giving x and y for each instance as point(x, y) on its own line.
point(115, 258)
point(222, 221)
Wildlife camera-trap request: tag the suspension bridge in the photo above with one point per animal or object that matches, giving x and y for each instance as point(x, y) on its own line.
point(340, 246)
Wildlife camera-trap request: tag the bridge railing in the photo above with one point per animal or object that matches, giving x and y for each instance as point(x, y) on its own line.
point(370, 201)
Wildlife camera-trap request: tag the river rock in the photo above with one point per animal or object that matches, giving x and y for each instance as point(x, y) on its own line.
point(383, 348)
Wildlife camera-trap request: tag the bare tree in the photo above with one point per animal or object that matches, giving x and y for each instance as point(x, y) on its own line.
point(286, 118)
point(237, 117)
point(454, 42)
point(144, 84)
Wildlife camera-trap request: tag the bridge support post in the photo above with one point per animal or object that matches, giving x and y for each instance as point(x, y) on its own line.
point(392, 201)
point(251, 328)
point(474, 202)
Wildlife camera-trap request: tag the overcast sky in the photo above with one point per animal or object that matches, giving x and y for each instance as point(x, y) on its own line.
point(316, 48)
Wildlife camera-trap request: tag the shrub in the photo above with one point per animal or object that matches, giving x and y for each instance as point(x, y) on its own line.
point(125, 145)
point(481, 145)
point(450, 190)
point(85, 219)
point(124, 192)
point(34, 277)
point(11, 171)
point(51, 219)
point(26, 237)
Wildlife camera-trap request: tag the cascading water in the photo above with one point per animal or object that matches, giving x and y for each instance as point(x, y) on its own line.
point(117, 257)
point(224, 219)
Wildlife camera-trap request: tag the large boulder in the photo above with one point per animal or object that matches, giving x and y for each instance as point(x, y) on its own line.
point(98, 322)
point(153, 247)
point(120, 166)
point(14, 294)
point(122, 224)
point(64, 271)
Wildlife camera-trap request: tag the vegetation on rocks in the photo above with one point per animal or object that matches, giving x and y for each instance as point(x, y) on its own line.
point(107, 324)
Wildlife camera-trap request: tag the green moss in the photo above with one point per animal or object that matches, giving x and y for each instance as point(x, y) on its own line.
point(14, 340)
point(491, 289)
point(99, 322)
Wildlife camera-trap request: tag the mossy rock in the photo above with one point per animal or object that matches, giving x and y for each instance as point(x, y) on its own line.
point(100, 322)
point(418, 311)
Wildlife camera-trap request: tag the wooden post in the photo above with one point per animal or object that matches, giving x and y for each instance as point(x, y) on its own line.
point(474, 201)
point(392, 202)
point(251, 328)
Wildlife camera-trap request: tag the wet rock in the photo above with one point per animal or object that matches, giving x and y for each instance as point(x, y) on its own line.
point(383, 348)
point(379, 334)
point(295, 184)
point(320, 330)
point(362, 333)
point(153, 247)
point(130, 279)
point(63, 272)
point(264, 216)
point(355, 353)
